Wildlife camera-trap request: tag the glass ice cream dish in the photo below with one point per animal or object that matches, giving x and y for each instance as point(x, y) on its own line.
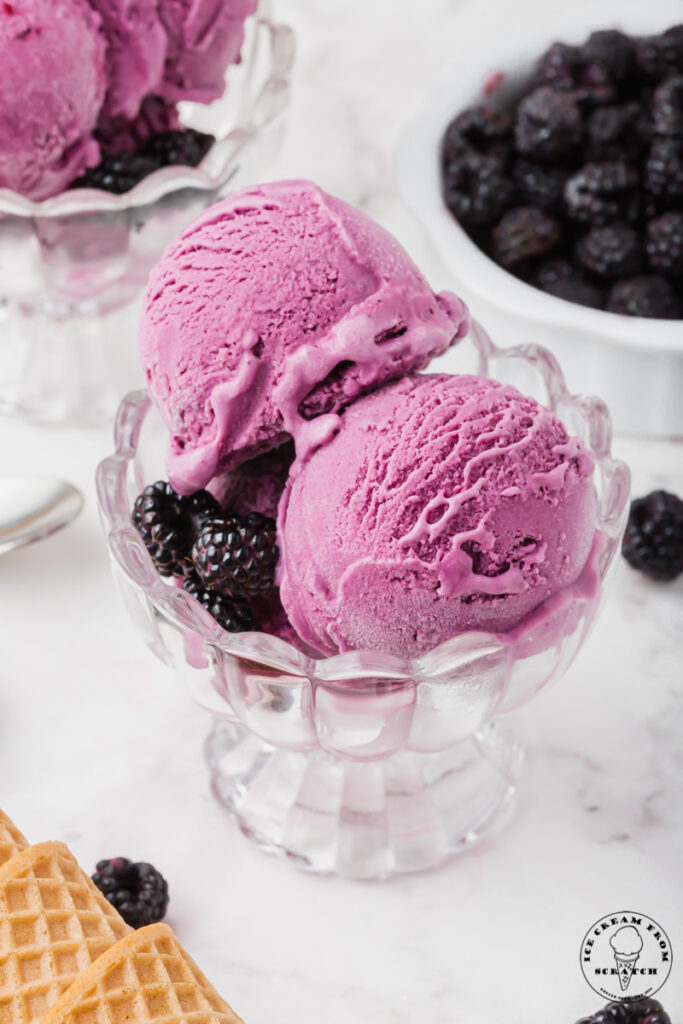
point(73, 266)
point(371, 760)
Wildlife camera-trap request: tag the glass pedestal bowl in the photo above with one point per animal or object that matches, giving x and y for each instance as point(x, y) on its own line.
point(365, 764)
point(72, 268)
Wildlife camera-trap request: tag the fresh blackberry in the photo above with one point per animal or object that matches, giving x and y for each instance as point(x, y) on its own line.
point(595, 86)
point(613, 250)
point(653, 541)
point(549, 125)
point(645, 1011)
point(187, 147)
point(660, 57)
point(559, 278)
point(523, 235)
point(615, 133)
point(667, 108)
point(233, 614)
point(664, 244)
point(169, 523)
point(601, 192)
point(647, 295)
point(237, 554)
point(557, 66)
point(117, 172)
point(540, 186)
point(664, 170)
point(138, 891)
point(613, 1013)
point(483, 129)
point(476, 190)
point(611, 50)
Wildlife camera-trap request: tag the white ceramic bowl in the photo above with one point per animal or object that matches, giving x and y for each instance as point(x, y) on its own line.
point(634, 364)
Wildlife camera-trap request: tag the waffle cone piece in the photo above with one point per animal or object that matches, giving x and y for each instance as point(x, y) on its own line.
point(68, 957)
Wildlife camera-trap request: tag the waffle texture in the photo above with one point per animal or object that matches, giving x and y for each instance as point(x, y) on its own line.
point(68, 957)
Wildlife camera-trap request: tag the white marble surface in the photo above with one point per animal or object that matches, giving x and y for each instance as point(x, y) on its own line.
point(99, 747)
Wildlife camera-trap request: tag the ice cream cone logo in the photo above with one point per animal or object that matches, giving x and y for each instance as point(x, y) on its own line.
point(627, 944)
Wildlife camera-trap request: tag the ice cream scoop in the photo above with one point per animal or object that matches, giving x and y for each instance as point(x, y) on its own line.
point(271, 312)
point(52, 85)
point(442, 505)
point(136, 52)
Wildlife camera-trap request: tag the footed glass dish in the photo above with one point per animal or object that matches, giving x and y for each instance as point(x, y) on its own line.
point(72, 268)
point(365, 764)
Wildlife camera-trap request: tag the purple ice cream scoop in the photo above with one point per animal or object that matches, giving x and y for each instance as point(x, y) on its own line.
point(136, 53)
point(271, 312)
point(442, 505)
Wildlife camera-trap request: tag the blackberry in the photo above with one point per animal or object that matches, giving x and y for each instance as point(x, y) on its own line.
point(613, 1013)
point(558, 66)
point(646, 1011)
point(595, 86)
point(664, 170)
point(667, 108)
point(523, 235)
point(117, 172)
point(648, 296)
point(610, 251)
point(483, 129)
point(559, 278)
point(660, 57)
point(611, 50)
point(664, 244)
point(600, 192)
point(616, 133)
point(653, 541)
point(237, 554)
point(187, 147)
point(138, 891)
point(549, 125)
point(231, 613)
point(168, 524)
point(476, 190)
point(540, 186)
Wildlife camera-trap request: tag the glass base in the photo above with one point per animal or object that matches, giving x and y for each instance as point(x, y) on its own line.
point(365, 820)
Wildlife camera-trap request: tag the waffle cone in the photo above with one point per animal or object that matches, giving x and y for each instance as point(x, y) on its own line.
point(11, 839)
point(146, 978)
point(54, 923)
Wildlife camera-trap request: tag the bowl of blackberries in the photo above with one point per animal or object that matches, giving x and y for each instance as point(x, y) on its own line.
point(550, 175)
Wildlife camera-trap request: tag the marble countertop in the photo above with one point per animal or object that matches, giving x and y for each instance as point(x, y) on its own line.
point(101, 748)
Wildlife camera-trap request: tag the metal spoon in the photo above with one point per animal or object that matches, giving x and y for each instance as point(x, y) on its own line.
point(32, 507)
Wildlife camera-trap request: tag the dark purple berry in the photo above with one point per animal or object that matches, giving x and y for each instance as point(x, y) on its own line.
point(169, 523)
point(117, 172)
point(138, 891)
point(549, 125)
point(483, 129)
point(611, 50)
point(660, 57)
point(558, 66)
point(476, 190)
point(233, 614)
point(601, 192)
point(648, 296)
point(559, 278)
point(664, 244)
point(186, 147)
point(615, 133)
point(653, 541)
point(667, 108)
point(540, 186)
point(664, 170)
point(524, 235)
point(237, 555)
point(613, 250)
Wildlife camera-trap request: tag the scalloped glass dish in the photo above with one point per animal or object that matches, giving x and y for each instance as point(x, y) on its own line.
point(365, 764)
point(72, 268)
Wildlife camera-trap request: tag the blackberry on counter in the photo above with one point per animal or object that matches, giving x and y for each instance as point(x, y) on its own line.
point(117, 172)
point(664, 243)
point(610, 251)
point(476, 190)
point(549, 125)
point(169, 523)
point(524, 235)
point(647, 295)
point(600, 192)
point(186, 147)
point(237, 554)
point(231, 613)
point(653, 541)
point(137, 890)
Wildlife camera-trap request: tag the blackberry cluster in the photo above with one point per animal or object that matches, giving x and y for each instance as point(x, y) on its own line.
point(222, 559)
point(137, 890)
point(653, 541)
point(585, 172)
point(120, 172)
point(640, 1011)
